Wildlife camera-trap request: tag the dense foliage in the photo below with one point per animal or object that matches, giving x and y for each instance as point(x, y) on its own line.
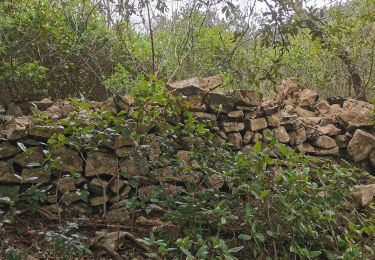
point(65, 48)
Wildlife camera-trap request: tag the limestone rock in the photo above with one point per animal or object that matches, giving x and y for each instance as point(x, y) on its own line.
point(116, 185)
point(304, 113)
point(101, 163)
point(134, 166)
point(219, 102)
point(44, 131)
point(330, 130)
point(206, 84)
point(311, 121)
point(361, 145)
point(323, 107)
point(216, 181)
point(364, 194)
point(61, 109)
point(69, 159)
point(32, 157)
point(43, 104)
point(257, 137)
point(69, 198)
point(205, 116)
point(236, 114)
point(325, 142)
point(7, 175)
point(330, 151)
point(305, 148)
point(258, 124)
point(184, 156)
point(307, 98)
point(281, 134)
point(298, 136)
point(342, 141)
point(17, 128)
point(66, 183)
point(355, 114)
point(35, 175)
point(236, 140)
point(229, 127)
point(8, 150)
point(98, 185)
point(247, 137)
point(274, 120)
point(247, 97)
point(99, 200)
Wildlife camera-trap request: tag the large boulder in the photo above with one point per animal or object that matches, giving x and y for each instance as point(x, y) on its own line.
point(361, 145)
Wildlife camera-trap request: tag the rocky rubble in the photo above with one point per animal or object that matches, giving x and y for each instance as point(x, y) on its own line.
point(296, 117)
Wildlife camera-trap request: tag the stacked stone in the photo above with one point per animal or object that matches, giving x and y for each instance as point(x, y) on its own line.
point(296, 117)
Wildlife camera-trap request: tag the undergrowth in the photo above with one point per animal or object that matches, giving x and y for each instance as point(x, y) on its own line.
point(267, 202)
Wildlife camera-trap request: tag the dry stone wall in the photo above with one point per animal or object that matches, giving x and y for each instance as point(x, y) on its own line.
point(338, 127)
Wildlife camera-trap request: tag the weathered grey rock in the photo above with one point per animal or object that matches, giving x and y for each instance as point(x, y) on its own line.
point(281, 134)
point(35, 175)
point(247, 97)
point(257, 124)
point(274, 120)
point(236, 140)
point(8, 150)
point(69, 160)
point(330, 130)
point(32, 157)
point(361, 145)
point(44, 131)
point(364, 194)
point(229, 127)
point(325, 142)
point(219, 102)
point(101, 163)
point(7, 175)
